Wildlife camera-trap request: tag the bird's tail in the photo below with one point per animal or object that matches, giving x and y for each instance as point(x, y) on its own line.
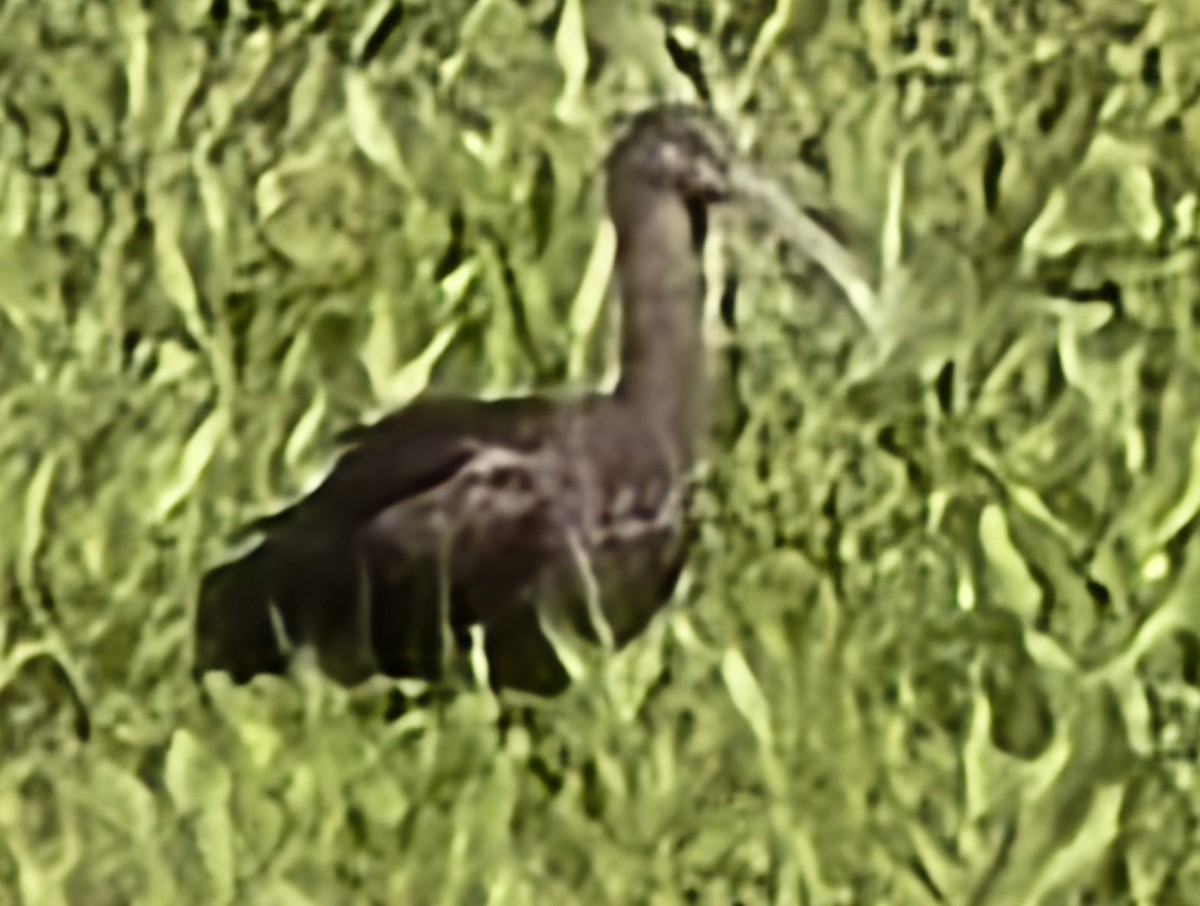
point(299, 589)
point(237, 627)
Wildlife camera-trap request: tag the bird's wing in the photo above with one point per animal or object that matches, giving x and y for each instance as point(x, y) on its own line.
point(446, 516)
point(487, 548)
point(410, 452)
point(584, 531)
point(320, 574)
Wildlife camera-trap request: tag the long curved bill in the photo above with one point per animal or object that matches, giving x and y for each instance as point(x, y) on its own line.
point(848, 271)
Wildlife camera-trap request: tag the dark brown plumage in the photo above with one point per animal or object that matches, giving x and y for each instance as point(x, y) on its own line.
point(505, 514)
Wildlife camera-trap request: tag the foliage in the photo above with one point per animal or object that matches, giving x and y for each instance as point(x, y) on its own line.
point(939, 639)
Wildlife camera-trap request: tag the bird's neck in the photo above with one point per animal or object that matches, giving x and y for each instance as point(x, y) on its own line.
point(661, 281)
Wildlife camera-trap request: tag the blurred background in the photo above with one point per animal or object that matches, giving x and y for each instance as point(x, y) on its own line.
point(939, 640)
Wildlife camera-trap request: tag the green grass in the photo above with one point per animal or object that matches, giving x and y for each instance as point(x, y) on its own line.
point(940, 638)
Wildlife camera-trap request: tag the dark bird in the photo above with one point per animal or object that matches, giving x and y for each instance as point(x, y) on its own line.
point(512, 515)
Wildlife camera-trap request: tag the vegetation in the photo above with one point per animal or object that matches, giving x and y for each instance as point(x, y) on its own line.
point(940, 638)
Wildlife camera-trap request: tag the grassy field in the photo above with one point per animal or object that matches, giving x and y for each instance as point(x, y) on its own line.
point(939, 642)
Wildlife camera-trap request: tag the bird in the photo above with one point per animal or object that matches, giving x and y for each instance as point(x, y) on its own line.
point(513, 518)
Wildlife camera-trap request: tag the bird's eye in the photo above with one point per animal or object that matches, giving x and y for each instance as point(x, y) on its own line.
point(692, 171)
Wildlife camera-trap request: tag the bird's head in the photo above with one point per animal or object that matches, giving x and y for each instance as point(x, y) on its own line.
point(673, 149)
